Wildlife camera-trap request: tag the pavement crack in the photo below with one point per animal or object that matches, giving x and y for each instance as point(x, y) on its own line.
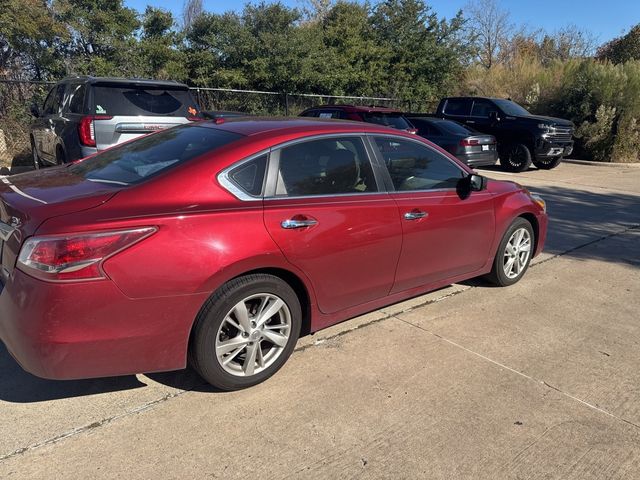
point(91, 426)
point(522, 374)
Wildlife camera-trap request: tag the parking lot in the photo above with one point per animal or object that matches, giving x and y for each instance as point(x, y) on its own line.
point(538, 380)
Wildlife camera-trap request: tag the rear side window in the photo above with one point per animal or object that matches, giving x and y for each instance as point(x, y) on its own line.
point(458, 106)
point(325, 167)
point(53, 104)
point(135, 161)
point(417, 167)
point(76, 102)
point(394, 120)
point(135, 100)
point(250, 175)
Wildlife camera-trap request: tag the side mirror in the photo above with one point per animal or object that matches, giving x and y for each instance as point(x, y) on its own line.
point(35, 110)
point(477, 183)
point(493, 116)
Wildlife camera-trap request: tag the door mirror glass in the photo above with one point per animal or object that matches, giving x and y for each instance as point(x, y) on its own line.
point(35, 110)
point(477, 183)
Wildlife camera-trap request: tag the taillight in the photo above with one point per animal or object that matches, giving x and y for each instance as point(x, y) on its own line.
point(469, 142)
point(75, 256)
point(412, 130)
point(86, 129)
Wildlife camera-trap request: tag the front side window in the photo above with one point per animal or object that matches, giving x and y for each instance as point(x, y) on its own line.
point(135, 161)
point(328, 166)
point(481, 108)
point(413, 166)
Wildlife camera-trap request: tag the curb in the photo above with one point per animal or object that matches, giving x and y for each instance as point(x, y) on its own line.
point(600, 164)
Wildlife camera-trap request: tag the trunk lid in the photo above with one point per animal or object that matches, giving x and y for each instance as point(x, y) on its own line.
point(28, 199)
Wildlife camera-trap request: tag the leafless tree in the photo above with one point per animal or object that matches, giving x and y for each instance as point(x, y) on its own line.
point(490, 28)
point(191, 10)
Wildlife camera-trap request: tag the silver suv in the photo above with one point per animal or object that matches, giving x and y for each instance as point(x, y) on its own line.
point(83, 115)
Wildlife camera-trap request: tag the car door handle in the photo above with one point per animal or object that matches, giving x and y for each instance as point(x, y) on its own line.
point(415, 215)
point(470, 121)
point(291, 223)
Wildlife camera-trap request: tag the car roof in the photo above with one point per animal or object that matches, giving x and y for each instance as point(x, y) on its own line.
point(357, 108)
point(125, 81)
point(283, 125)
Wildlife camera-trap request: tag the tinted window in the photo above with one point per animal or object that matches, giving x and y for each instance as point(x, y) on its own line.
point(325, 167)
point(458, 106)
point(142, 158)
point(394, 120)
point(416, 167)
point(311, 113)
point(481, 108)
point(425, 127)
point(143, 101)
point(48, 103)
point(330, 114)
point(53, 103)
point(250, 175)
point(511, 108)
point(76, 104)
point(453, 127)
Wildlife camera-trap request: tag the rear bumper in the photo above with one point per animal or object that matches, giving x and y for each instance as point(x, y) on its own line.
point(91, 329)
point(479, 159)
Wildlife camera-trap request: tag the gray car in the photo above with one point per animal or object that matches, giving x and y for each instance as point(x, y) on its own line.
point(83, 115)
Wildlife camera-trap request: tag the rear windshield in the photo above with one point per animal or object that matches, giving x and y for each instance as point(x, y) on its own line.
point(395, 120)
point(454, 127)
point(134, 100)
point(135, 161)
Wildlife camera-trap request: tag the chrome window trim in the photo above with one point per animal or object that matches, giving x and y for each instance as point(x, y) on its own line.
point(228, 184)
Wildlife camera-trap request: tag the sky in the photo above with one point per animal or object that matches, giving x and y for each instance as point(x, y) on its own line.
point(604, 19)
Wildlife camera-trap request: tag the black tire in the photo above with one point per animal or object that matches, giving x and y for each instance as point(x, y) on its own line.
point(547, 163)
point(207, 329)
point(37, 163)
point(498, 276)
point(515, 157)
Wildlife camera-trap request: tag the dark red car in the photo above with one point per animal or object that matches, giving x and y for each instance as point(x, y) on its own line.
point(223, 242)
point(389, 117)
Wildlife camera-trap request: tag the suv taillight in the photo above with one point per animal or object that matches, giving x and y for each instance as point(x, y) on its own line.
point(75, 256)
point(86, 130)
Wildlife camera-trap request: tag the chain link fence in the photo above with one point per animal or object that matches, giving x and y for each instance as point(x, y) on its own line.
point(17, 97)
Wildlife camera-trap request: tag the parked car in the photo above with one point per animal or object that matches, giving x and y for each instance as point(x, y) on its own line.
point(522, 137)
point(222, 242)
point(83, 115)
point(469, 146)
point(388, 117)
point(215, 114)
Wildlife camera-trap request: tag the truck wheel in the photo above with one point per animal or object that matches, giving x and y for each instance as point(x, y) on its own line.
point(516, 157)
point(547, 163)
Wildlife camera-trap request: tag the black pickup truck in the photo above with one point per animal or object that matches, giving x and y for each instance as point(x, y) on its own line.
point(522, 137)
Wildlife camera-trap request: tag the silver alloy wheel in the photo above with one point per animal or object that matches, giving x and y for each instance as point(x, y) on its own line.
point(516, 253)
point(253, 334)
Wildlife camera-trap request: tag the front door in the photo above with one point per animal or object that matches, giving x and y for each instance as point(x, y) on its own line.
point(330, 220)
point(444, 234)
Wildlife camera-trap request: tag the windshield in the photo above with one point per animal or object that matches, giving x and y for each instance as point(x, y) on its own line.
point(395, 120)
point(135, 161)
point(136, 100)
point(511, 108)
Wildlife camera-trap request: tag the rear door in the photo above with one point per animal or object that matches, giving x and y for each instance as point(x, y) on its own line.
point(444, 235)
point(124, 112)
point(326, 213)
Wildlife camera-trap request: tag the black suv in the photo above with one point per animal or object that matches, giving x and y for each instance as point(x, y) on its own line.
point(522, 137)
point(83, 115)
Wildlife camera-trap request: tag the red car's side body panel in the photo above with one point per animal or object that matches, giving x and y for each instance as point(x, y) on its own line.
point(360, 256)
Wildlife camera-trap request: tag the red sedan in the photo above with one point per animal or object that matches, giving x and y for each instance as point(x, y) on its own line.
point(222, 242)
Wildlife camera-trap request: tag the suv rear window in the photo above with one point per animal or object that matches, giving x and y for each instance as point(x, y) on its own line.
point(135, 161)
point(137, 100)
point(394, 120)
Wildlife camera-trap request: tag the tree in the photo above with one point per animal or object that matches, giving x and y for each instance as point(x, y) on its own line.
point(622, 49)
point(102, 37)
point(489, 29)
point(191, 10)
point(158, 46)
point(29, 33)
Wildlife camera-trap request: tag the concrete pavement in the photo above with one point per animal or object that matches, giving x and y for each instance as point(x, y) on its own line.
point(538, 380)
